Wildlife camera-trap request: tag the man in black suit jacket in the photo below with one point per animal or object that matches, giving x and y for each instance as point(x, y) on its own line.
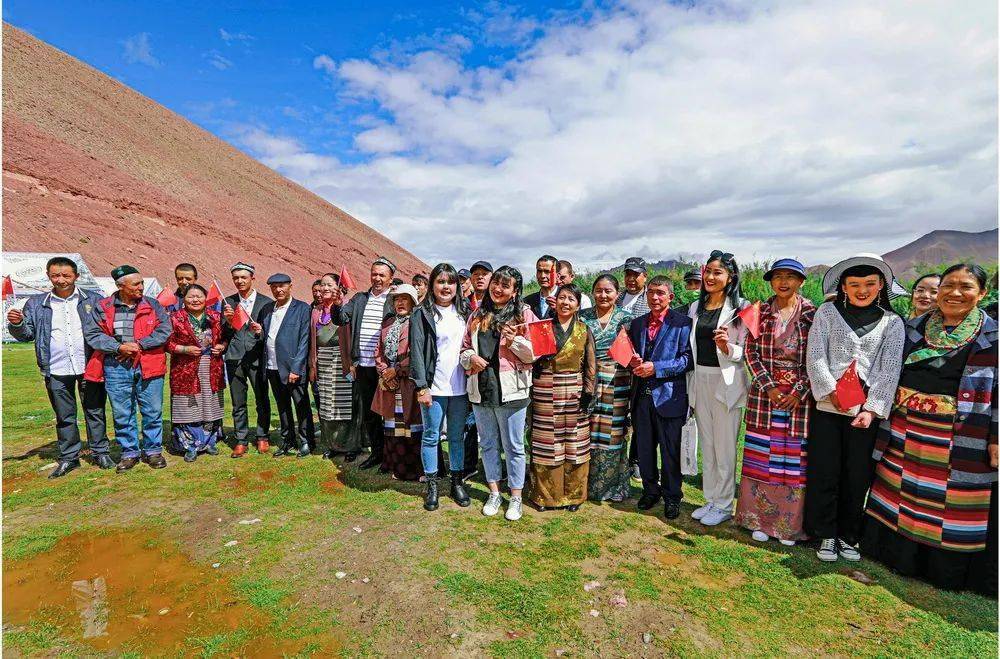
point(243, 362)
point(284, 333)
point(548, 287)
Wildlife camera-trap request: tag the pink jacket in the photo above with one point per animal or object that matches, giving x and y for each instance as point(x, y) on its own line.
point(515, 363)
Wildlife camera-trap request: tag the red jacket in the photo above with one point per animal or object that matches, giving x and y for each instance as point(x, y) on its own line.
point(184, 368)
point(152, 362)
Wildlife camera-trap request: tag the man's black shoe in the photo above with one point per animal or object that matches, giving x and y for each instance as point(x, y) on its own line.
point(283, 449)
point(672, 509)
point(126, 463)
point(647, 501)
point(304, 451)
point(156, 461)
point(104, 461)
point(372, 460)
point(64, 468)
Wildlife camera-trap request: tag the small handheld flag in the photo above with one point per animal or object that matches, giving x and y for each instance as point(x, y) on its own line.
point(621, 349)
point(473, 302)
point(166, 298)
point(8, 289)
point(750, 315)
point(345, 279)
point(542, 337)
point(849, 390)
point(240, 318)
point(552, 277)
point(214, 293)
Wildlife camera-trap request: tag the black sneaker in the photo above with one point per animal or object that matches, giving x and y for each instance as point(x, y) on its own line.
point(647, 501)
point(827, 551)
point(847, 551)
point(672, 509)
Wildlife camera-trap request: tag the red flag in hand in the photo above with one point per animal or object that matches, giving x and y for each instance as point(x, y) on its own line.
point(214, 294)
point(345, 279)
point(240, 318)
point(553, 277)
point(166, 298)
point(849, 390)
point(750, 315)
point(473, 302)
point(543, 337)
point(622, 350)
point(8, 288)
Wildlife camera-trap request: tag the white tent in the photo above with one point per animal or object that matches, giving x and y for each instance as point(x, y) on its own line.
point(27, 272)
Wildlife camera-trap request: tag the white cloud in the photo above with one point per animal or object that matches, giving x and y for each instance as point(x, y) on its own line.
point(235, 37)
point(216, 59)
point(137, 49)
point(814, 130)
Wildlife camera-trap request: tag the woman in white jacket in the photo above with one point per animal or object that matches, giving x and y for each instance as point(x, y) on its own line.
point(717, 387)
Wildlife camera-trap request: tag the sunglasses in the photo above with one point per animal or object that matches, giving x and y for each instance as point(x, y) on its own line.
point(723, 256)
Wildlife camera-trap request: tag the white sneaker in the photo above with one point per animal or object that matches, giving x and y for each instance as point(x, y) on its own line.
point(492, 505)
point(715, 517)
point(513, 509)
point(787, 543)
point(698, 513)
point(848, 552)
point(827, 550)
point(760, 536)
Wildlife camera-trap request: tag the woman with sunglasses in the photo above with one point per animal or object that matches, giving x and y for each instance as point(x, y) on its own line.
point(860, 331)
point(717, 387)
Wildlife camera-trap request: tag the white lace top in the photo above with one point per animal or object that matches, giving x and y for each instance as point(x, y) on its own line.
point(833, 345)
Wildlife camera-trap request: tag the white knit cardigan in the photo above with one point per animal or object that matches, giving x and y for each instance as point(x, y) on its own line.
point(833, 345)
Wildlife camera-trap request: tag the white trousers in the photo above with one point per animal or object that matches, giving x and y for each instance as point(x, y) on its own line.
point(718, 430)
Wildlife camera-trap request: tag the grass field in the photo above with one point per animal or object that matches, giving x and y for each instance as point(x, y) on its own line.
point(330, 560)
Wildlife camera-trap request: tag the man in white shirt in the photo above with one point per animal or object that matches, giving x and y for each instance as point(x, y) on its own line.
point(365, 313)
point(566, 276)
point(54, 321)
point(243, 362)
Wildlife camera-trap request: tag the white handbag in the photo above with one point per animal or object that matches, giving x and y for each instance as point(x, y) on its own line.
point(689, 448)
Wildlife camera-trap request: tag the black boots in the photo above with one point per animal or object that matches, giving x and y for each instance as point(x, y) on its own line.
point(431, 496)
point(458, 492)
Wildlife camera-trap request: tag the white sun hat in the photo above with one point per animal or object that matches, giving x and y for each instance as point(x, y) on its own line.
point(833, 275)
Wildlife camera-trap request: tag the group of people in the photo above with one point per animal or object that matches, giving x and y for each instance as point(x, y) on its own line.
point(872, 434)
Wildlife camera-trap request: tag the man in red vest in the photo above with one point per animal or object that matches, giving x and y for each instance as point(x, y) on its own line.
point(127, 332)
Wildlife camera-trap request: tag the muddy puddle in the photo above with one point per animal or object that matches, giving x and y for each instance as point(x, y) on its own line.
point(133, 590)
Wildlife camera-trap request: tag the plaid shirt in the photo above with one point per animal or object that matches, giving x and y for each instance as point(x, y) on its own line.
point(760, 360)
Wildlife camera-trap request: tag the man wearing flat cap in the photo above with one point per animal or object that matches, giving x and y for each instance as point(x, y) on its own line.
point(284, 331)
point(692, 280)
point(365, 313)
point(127, 332)
point(243, 362)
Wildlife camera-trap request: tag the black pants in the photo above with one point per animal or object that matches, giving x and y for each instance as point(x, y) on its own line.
point(650, 432)
point(370, 424)
point(62, 391)
point(242, 376)
point(838, 474)
point(471, 443)
point(287, 395)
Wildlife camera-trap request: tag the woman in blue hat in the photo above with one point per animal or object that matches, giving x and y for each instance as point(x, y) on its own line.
point(772, 485)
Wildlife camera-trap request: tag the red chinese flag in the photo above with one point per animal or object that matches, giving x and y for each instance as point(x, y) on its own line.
point(542, 337)
point(849, 391)
point(214, 293)
point(553, 277)
point(473, 302)
point(240, 318)
point(750, 315)
point(8, 288)
point(166, 298)
point(345, 279)
point(621, 349)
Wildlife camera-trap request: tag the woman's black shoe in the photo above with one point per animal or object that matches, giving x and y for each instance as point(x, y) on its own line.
point(647, 501)
point(371, 461)
point(575, 507)
point(458, 492)
point(431, 495)
point(672, 509)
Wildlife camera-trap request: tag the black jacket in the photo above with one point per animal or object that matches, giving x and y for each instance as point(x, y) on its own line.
point(534, 300)
point(245, 345)
point(352, 314)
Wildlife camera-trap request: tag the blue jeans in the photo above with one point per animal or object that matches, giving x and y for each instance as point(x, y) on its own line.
point(129, 393)
point(451, 409)
point(502, 425)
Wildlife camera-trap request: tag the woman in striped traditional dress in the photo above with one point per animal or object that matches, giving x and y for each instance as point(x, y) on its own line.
point(936, 480)
point(609, 464)
point(561, 401)
point(197, 375)
point(772, 486)
point(330, 372)
point(396, 398)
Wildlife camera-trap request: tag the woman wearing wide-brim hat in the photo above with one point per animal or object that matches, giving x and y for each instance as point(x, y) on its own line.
point(858, 327)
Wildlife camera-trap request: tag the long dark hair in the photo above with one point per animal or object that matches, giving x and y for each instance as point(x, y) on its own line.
point(732, 290)
point(461, 304)
point(488, 315)
point(865, 271)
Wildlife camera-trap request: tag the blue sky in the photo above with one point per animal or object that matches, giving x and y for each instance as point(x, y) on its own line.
point(593, 131)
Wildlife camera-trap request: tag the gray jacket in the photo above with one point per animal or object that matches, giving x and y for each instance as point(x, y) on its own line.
point(37, 324)
point(245, 345)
